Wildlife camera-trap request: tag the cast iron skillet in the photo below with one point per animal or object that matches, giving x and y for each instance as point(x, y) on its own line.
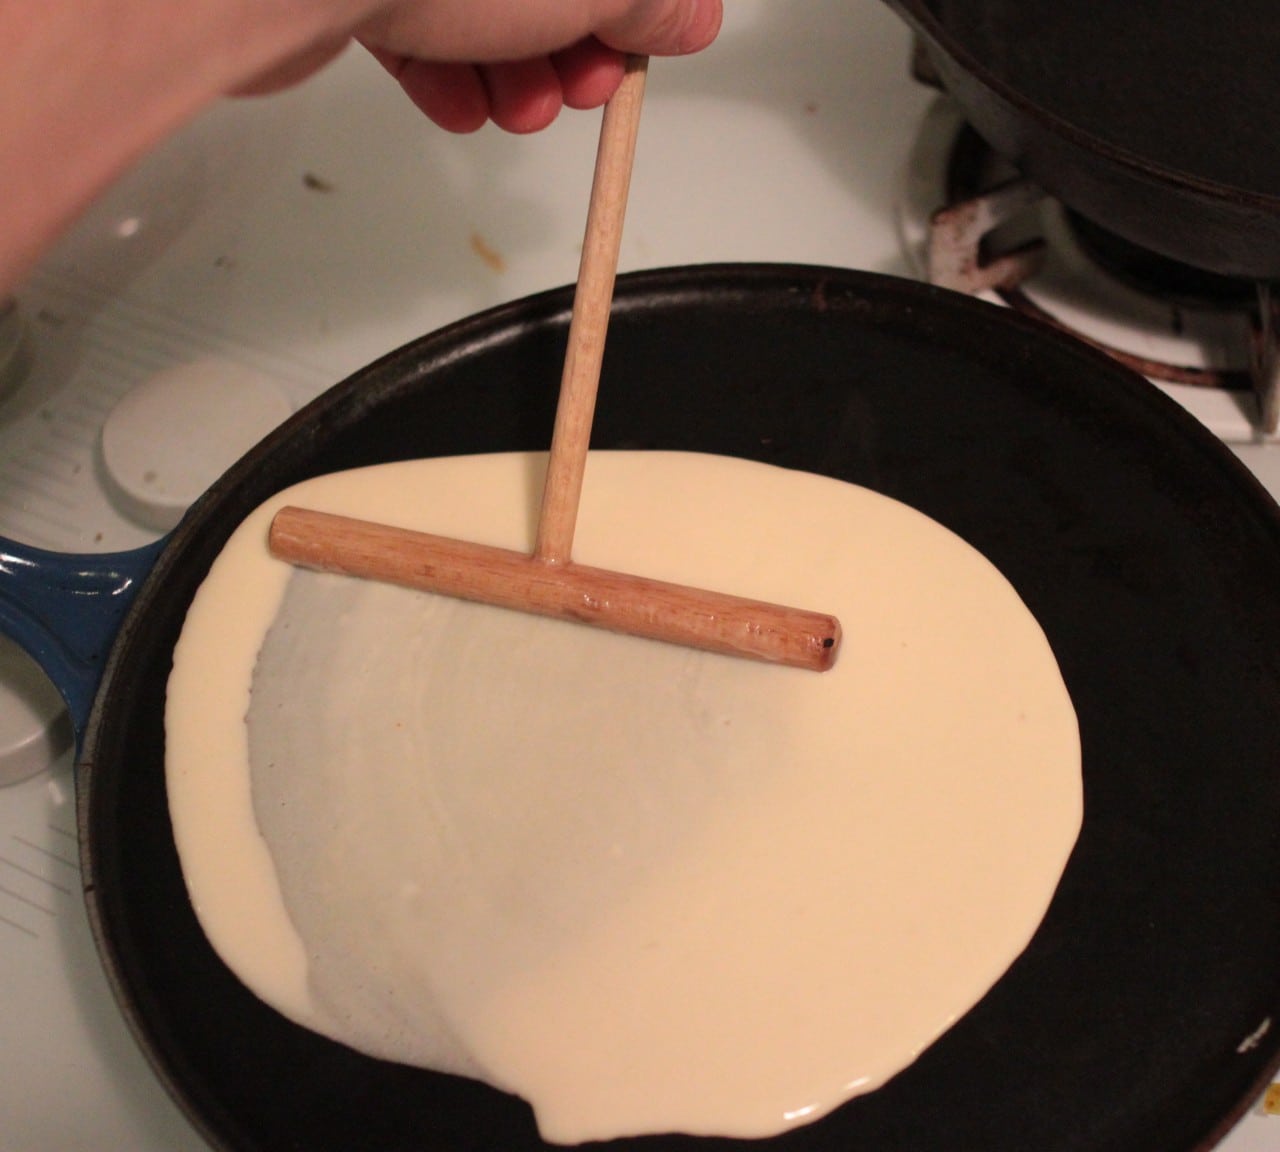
point(1142, 1016)
point(1156, 119)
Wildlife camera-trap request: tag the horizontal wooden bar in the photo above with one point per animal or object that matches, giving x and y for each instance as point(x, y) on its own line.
point(636, 605)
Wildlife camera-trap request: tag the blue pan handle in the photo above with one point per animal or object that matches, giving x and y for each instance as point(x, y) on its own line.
point(65, 610)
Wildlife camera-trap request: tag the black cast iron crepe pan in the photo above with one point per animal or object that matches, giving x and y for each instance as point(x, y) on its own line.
point(1145, 1014)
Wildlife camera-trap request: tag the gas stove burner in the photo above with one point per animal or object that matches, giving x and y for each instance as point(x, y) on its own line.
point(1158, 275)
point(997, 232)
point(969, 178)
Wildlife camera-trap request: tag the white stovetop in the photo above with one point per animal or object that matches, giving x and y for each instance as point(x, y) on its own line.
point(298, 238)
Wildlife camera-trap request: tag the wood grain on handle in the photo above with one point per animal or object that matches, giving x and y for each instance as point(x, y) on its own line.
point(636, 605)
point(589, 323)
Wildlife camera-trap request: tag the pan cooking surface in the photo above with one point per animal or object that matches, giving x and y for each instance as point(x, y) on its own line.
point(1147, 554)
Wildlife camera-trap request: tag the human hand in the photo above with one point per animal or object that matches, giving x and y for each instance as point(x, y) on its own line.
point(464, 62)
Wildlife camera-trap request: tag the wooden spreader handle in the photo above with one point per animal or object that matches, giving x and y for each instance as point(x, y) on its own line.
point(619, 602)
point(548, 582)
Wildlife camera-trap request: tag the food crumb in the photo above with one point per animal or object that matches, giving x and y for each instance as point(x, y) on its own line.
point(1271, 1100)
point(316, 183)
point(491, 256)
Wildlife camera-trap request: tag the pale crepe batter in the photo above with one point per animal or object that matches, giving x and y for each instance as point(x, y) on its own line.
point(648, 889)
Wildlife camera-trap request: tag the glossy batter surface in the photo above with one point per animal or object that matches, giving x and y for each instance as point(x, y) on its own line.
point(647, 889)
